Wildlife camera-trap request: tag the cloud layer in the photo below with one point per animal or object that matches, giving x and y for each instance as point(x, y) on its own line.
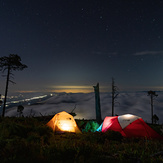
point(134, 103)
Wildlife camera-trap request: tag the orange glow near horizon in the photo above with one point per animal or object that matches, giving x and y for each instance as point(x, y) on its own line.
point(77, 89)
point(67, 89)
point(84, 89)
point(24, 91)
point(73, 89)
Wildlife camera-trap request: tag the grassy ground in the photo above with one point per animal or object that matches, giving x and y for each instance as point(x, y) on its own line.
point(30, 140)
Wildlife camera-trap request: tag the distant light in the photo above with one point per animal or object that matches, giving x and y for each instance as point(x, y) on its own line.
point(15, 102)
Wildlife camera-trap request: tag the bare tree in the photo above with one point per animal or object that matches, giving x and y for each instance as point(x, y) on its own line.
point(152, 94)
point(72, 112)
point(97, 101)
point(114, 95)
point(10, 63)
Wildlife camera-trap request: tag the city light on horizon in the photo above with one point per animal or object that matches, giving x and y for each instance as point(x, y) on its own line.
point(87, 89)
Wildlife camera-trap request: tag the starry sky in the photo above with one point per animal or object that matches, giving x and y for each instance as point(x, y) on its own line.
point(71, 45)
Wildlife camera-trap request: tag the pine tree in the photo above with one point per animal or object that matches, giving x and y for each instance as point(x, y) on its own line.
point(10, 63)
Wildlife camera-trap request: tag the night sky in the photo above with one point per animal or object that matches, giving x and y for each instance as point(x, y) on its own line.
point(71, 45)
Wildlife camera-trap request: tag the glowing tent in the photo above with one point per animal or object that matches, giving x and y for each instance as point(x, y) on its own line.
point(129, 126)
point(63, 122)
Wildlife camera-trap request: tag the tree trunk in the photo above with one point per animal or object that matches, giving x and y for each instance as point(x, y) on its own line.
point(152, 108)
point(97, 101)
point(113, 95)
point(7, 82)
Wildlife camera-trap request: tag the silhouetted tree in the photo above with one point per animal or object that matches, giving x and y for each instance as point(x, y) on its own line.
point(152, 94)
point(114, 95)
point(20, 110)
point(10, 63)
point(155, 118)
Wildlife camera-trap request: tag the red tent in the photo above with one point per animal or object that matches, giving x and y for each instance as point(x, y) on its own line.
point(129, 126)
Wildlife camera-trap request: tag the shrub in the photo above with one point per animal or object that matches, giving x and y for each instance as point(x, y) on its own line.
point(29, 140)
point(91, 126)
point(113, 135)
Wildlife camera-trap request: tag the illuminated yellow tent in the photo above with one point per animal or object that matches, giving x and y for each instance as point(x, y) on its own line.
point(63, 122)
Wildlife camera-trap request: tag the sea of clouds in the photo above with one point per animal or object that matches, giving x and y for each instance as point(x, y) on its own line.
point(137, 103)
